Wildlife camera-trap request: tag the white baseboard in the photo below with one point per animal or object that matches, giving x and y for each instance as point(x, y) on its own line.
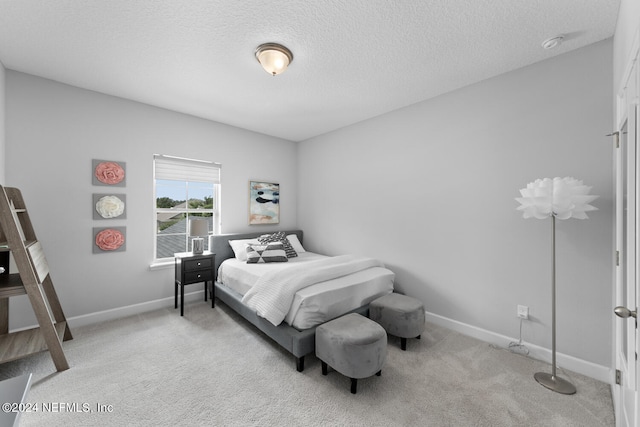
point(563, 361)
point(129, 310)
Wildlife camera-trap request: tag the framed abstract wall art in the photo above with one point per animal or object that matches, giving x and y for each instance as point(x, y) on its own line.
point(264, 203)
point(109, 173)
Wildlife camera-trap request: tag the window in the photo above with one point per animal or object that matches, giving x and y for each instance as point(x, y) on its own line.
point(183, 189)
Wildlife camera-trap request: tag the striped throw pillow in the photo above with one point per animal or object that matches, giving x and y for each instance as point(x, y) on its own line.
point(270, 252)
point(280, 237)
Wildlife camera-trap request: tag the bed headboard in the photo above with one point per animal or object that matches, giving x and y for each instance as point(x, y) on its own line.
point(219, 243)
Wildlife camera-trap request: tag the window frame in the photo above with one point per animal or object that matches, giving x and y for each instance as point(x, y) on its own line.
point(180, 169)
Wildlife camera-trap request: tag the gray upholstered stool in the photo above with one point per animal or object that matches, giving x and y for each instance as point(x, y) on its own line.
point(352, 345)
point(399, 315)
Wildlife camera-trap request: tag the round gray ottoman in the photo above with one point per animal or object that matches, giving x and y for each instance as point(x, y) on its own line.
point(399, 315)
point(352, 345)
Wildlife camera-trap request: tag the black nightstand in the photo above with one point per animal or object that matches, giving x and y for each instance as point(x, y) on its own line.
point(193, 268)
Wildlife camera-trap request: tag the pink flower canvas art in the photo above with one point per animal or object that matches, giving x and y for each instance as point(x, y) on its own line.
point(109, 239)
point(108, 172)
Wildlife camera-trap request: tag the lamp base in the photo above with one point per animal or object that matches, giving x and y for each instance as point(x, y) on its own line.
point(555, 383)
point(197, 245)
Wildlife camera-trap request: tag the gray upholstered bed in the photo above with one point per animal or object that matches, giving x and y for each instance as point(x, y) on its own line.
point(298, 342)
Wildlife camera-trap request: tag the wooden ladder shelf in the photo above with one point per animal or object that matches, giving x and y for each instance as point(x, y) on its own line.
point(33, 279)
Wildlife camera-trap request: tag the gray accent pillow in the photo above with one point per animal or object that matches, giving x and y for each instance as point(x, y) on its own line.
point(280, 237)
point(269, 252)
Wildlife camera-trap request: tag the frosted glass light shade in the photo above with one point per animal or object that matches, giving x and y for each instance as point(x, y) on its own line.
point(273, 57)
point(198, 227)
point(562, 198)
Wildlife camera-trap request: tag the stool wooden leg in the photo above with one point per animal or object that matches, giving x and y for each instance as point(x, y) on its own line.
point(354, 385)
point(403, 343)
point(324, 368)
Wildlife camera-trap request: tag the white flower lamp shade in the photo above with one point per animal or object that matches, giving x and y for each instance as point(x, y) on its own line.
point(197, 229)
point(561, 198)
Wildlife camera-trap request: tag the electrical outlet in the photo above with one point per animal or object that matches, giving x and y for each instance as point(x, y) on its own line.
point(523, 312)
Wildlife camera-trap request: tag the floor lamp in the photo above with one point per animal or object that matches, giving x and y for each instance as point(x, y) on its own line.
point(560, 198)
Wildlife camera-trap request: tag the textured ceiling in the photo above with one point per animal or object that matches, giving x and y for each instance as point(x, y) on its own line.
point(353, 59)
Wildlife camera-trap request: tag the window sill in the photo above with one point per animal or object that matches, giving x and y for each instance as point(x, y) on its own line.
point(161, 265)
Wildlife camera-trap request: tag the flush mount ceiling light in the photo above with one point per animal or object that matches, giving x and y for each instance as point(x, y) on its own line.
point(552, 42)
point(273, 57)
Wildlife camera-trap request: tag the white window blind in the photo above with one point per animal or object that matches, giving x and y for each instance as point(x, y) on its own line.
point(181, 169)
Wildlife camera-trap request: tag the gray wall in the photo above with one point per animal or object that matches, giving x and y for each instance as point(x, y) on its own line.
point(429, 189)
point(53, 133)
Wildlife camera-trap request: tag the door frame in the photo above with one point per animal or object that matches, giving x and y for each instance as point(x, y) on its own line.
point(625, 389)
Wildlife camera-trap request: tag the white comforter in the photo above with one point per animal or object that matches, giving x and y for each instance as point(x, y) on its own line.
point(273, 293)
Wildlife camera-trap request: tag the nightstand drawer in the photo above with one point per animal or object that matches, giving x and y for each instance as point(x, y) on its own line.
point(198, 276)
point(197, 264)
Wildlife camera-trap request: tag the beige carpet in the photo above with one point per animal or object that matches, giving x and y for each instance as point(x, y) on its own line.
point(210, 368)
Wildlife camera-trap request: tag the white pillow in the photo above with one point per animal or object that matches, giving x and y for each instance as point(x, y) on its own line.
point(295, 243)
point(240, 247)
